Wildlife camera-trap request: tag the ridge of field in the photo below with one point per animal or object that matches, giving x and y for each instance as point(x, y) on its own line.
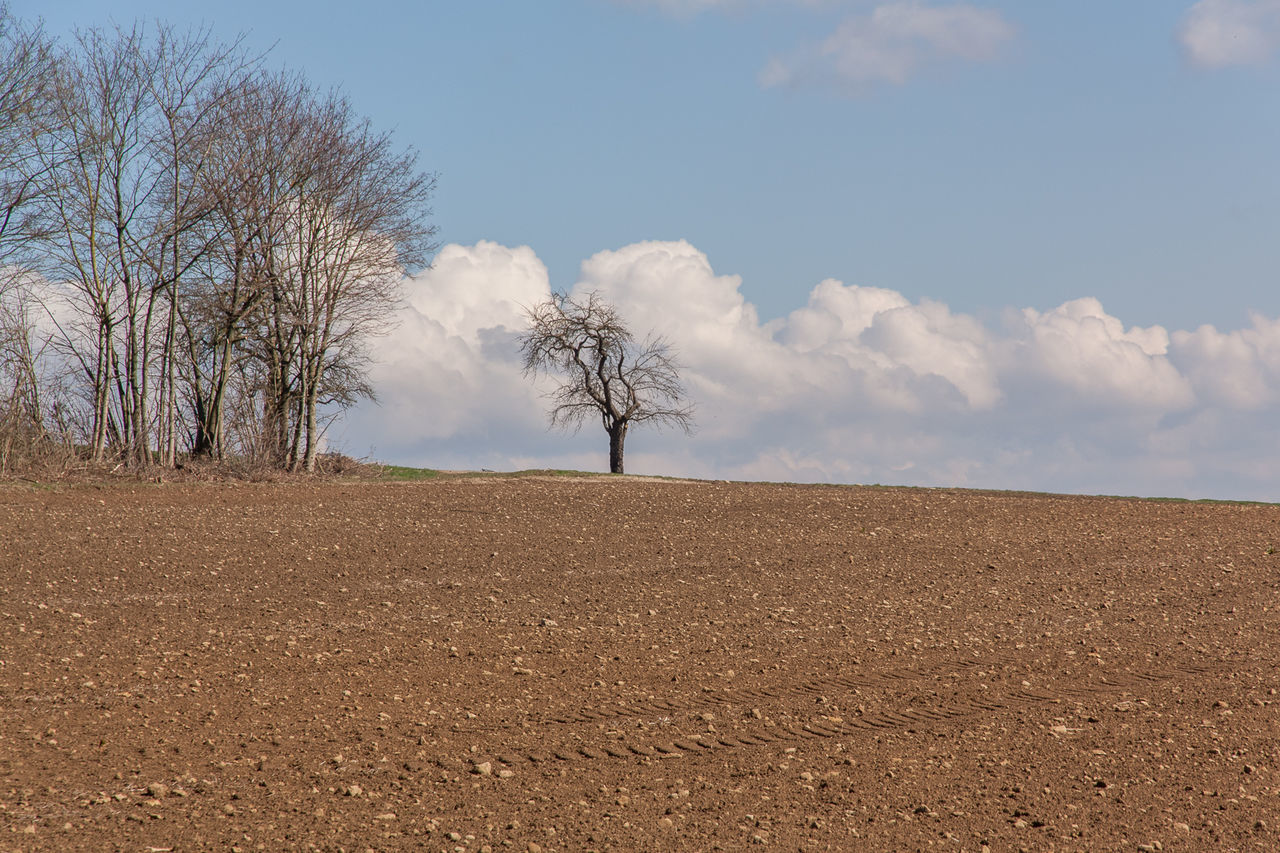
point(586, 662)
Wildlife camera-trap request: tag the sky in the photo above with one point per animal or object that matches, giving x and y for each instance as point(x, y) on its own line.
point(984, 244)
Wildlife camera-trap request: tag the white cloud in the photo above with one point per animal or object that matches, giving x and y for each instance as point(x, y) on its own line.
point(1239, 369)
point(448, 373)
point(1079, 347)
point(858, 385)
point(880, 331)
point(1218, 33)
point(891, 43)
point(670, 287)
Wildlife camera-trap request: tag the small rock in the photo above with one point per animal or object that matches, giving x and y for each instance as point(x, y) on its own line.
point(666, 823)
point(535, 847)
point(1020, 824)
point(548, 623)
point(453, 836)
point(484, 768)
point(386, 816)
point(505, 774)
point(157, 790)
point(354, 791)
point(1182, 827)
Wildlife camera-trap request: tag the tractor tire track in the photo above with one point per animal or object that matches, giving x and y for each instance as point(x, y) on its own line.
point(575, 746)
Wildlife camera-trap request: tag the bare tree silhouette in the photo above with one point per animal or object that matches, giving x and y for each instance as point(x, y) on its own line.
point(604, 371)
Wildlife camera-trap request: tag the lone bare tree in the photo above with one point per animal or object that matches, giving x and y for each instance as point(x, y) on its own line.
point(605, 372)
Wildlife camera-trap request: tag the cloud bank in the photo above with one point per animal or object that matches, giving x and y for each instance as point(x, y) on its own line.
point(1220, 33)
point(859, 384)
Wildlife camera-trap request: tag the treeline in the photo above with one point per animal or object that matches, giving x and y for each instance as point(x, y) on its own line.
point(194, 248)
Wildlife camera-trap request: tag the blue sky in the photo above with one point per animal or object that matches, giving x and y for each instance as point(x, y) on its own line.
point(1000, 159)
point(1088, 155)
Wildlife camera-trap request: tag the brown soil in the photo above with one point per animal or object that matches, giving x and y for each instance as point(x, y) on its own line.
point(574, 664)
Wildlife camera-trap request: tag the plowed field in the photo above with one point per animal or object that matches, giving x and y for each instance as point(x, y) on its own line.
point(572, 664)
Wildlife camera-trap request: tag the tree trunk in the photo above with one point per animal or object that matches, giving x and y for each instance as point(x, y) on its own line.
point(312, 426)
point(98, 442)
point(617, 435)
point(204, 442)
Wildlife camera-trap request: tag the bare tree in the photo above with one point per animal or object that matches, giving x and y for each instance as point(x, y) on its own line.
point(220, 232)
point(190, 80)
point(251, 154)
point(21, 414)
point(113, 164)
point(25, 70)
point(91, 166)
point(321, 228)
point(604, 371)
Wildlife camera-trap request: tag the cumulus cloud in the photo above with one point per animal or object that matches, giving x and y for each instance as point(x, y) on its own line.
point(878, 332)
point(1219, 33)
point(860, 384)
point(892, 43)
point(447, 377)
point(1239, 369)
point(1078, 346)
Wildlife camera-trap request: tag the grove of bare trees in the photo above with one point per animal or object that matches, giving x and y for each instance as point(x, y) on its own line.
point(194, 248)
point(604, 371)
